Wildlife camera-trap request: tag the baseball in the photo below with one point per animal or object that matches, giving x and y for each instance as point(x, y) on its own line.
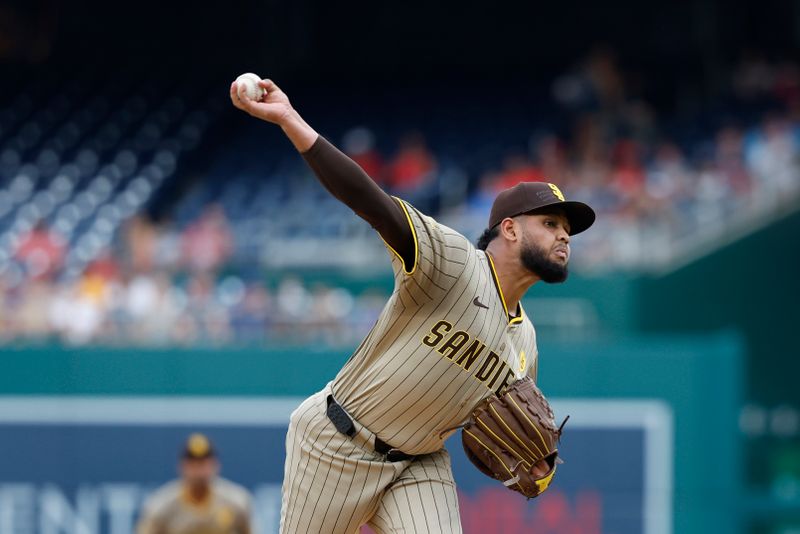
point(247, 86)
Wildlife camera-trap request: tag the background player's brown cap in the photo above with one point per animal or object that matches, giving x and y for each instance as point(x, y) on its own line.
point(526, 197)
point(197, 447)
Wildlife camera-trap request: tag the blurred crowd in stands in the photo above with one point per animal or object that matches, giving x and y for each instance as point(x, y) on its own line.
point(182, 280)
point(653, 189)
point(165, 287)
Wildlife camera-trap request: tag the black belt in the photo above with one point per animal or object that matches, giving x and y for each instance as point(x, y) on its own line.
point(345, 425)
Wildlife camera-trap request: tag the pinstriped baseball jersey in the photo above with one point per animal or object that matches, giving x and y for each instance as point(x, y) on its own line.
point(169, 511)
point(443, 342)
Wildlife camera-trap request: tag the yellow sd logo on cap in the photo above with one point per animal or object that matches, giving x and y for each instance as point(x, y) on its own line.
point(557, 192)
point(198, 445)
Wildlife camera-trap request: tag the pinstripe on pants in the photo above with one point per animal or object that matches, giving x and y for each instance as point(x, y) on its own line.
point(334, 484)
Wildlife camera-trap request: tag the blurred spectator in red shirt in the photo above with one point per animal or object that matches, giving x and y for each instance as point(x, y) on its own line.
point(552, 157)
point(413, 166)
point(41, 251)
point(207, 242)
point(140, 240)
point(516, 169)
point(104, 266)
point(359, 144)
point(628, 174)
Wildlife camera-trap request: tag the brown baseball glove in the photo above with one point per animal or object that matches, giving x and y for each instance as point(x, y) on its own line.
point(513, 438)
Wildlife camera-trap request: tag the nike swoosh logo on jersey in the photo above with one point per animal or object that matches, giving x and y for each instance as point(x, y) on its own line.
point(479, 304)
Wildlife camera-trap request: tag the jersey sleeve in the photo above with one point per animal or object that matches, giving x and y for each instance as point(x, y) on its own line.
point(440, 257)
point(240, 500)
point(150, 521)
point(157, 509)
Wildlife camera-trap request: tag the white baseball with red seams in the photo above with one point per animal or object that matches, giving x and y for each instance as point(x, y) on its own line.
point(247, 86)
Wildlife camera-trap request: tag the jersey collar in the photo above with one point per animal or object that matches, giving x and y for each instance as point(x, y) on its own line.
point(189, 500)
point(511, 319)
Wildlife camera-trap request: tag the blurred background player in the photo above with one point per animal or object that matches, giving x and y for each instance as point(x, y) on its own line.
point(200, 502)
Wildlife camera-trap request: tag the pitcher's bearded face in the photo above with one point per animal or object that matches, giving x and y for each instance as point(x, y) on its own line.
point(544, 247)
point(544, 263)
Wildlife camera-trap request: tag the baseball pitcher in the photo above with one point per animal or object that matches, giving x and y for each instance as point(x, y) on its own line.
point(453, 348)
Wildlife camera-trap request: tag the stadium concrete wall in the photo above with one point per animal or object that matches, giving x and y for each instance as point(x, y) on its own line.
point(652, 445)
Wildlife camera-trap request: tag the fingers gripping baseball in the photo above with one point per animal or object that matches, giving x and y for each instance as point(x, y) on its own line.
point(263, 100)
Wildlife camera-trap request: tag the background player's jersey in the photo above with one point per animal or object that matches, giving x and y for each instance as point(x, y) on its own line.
point(443, 342)
point(169, 512)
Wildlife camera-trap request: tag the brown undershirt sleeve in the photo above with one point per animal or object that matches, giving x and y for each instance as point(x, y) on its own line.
point(348, 182)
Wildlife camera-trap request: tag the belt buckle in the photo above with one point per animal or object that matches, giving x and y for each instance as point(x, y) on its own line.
point(396, 455)
point(390, 453)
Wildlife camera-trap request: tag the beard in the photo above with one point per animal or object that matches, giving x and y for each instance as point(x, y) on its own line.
point(536, 260)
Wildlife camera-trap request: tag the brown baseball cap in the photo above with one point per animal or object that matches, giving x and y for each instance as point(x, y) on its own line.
point(527, 197)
